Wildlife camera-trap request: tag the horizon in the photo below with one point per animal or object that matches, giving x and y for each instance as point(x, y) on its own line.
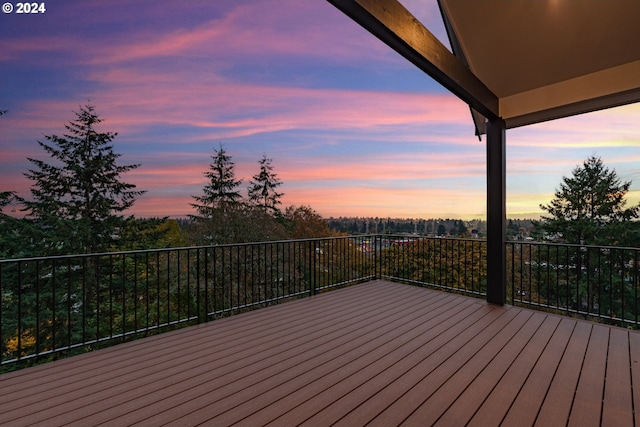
point(354, 130)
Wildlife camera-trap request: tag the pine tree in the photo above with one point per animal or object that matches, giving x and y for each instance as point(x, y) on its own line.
point(10, 229)
point(262, 189)
point(590, 207)
point(76, 198)
point(221, 193)
point(5, 198)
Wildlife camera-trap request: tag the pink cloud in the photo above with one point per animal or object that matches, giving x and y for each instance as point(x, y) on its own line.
point(257, 29)
point(184, 99)
point(130, 101)
point(12, 49)
point(421, 166)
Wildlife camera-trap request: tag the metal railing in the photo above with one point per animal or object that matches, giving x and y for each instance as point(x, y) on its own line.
point(593, 281)
point(457, 265)
point(60, 304)
point(57, 304)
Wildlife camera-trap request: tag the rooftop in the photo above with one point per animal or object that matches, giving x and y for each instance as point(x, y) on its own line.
point(379, 352)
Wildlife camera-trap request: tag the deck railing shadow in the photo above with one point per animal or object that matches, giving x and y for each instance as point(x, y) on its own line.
point(57, 305)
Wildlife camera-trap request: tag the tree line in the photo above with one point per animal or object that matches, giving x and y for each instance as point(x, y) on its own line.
point(438, 227)
point(78, 199)
point(588, 208)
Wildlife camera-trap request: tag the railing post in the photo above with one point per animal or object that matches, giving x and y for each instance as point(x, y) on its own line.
point(2, 314)
point(312, 267)
point(374, 245)
point(198, 276)
point(205, 303)
point(496, 213)
point(378, 256)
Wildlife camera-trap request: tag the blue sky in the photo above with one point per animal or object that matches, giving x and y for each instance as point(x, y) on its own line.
point(353, 128)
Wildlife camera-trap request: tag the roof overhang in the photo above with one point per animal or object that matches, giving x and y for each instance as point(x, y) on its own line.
point(525, 61)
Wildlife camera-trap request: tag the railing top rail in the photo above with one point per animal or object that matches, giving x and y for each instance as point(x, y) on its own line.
point(182, 248)
point(408, 236)
point(572, 245)
point(317, 239)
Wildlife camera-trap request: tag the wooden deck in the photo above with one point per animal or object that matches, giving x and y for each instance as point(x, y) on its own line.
point(379, 353)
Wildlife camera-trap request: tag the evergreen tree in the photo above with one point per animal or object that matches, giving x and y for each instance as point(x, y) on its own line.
point(221, 193)
point(11, 234)
point(220, 211)
point(262, 189)
point(590, 207)
point(5, 198)
point(76, 199)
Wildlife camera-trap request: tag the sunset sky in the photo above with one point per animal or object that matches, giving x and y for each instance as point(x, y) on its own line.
point(353, 128)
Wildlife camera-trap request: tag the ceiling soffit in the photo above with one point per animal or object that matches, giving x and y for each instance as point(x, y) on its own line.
point(547, 59)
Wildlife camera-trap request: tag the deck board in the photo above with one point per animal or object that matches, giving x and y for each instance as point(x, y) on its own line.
point(470, 392)
point(634, 353)
point(501, 384)
point(409, 390)
point(322, 351)
point(378, 353)
point(331, 390)
point(587, 407)
point(556, 407)
point(617, 408)
point(431, 350)
point(533, 389)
